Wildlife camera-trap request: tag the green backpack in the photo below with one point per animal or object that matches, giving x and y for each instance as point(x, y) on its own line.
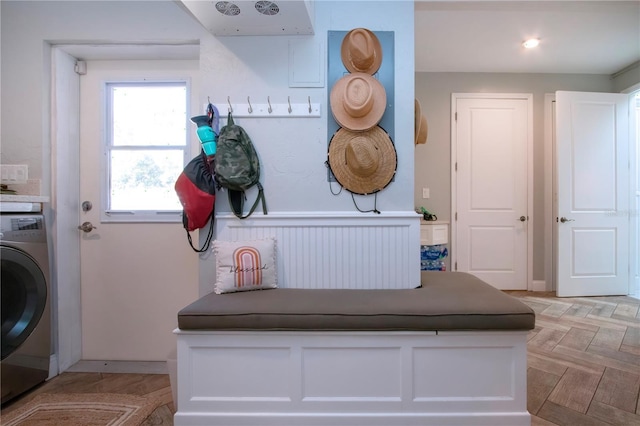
point(237, 167)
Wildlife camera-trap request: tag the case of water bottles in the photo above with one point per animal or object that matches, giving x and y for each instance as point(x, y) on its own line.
point(433, 244)
point(432, 257)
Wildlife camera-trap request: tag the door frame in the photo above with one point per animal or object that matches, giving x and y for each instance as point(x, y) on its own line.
point(550, 188)
point(454, 183)
point(65, 202)
point(634, 204)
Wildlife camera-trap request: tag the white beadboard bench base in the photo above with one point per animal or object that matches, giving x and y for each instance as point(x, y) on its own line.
point(365, 378)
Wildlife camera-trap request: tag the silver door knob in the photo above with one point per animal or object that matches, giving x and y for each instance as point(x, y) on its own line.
point(522, 218)
point(564, 219)
point(87, 227)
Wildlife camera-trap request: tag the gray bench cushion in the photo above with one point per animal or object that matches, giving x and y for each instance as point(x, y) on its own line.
point(446, 301)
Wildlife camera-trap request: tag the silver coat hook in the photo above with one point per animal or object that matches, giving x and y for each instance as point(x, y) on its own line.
point(269, 102)
point(309, 104)
point(289, 102)
point(249, 102)
point(229, 102)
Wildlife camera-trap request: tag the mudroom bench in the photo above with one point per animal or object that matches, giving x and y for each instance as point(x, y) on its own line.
point(452, 352)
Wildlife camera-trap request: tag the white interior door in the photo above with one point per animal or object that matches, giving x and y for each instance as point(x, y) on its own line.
point(592, 156)
point(491, 174)
point(135, 277)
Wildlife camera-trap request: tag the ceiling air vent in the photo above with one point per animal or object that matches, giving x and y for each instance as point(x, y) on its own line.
point(253, 17)
point(268, 8)
point(227, 8)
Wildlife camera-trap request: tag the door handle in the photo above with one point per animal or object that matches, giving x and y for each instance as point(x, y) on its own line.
point(564, 219)
point(87, 227)
point(522, 218)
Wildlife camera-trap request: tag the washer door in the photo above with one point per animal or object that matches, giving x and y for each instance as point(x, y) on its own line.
point(23, 296)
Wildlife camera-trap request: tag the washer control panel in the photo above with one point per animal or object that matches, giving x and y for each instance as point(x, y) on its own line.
point(22, 228)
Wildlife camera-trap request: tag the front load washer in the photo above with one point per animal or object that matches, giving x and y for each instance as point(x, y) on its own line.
point(26, 300)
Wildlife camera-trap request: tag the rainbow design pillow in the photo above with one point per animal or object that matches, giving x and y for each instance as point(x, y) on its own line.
point(245, 265)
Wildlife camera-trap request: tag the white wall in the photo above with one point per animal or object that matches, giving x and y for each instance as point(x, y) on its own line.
point(28, 27)
point(433, 159)
point(28, 30)
point(293, 150)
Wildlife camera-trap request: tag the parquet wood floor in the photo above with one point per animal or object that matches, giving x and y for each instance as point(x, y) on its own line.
point(583, 366)
point(583, 360)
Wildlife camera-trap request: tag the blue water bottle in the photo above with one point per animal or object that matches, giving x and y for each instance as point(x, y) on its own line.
point(205, 133)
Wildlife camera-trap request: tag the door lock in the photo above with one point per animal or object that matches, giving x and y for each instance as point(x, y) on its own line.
point(522, 218)
point(87, 227)
point(564, 219)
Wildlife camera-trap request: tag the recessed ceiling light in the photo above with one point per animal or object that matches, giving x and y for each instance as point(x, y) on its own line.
point(531, 43)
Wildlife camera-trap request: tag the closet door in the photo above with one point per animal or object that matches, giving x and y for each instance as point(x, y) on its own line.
point(492, 219)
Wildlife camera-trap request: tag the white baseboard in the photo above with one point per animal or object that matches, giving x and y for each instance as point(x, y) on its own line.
point(137, 367)
point(540, 285)
point(53, 366)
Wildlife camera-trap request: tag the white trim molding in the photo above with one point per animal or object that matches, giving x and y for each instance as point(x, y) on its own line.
point(351, 378)
point(336, 249)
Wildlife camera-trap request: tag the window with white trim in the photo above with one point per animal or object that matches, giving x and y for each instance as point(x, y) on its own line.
point(146, 147)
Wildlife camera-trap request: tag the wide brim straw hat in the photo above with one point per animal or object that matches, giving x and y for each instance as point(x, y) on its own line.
point(361, 51)
point(420, 122)
point(358, 101)
point(362, 162)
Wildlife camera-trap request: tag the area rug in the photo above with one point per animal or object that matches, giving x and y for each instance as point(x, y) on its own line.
point(88, 409)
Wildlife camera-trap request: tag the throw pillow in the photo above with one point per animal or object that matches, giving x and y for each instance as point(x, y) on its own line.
point(245, 265)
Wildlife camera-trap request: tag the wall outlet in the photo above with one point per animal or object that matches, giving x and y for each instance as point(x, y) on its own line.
point(31, 187)
point(425, 192)
point(14, 173)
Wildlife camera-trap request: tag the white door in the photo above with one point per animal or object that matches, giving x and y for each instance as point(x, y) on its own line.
point(492, 137)
point(592, 157)
point(135, 277)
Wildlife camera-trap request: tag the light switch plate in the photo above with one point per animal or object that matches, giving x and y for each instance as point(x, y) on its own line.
point(425, 192)
point(14, 173)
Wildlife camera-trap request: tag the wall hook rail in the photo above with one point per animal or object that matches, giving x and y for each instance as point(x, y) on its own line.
point(285, 109)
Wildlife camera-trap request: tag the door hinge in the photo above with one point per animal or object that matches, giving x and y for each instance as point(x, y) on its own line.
point(456, 166)
point(456, 215)
point(456, 116)
point(456, 266)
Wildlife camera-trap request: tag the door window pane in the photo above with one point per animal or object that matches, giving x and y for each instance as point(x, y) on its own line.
point(146, 149)
point(153, 114)
point(140, 179)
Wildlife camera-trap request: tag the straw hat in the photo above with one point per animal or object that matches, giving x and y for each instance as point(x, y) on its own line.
point(420, 123)
point(361, 51)
point(358, 101)
point(362, 162)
